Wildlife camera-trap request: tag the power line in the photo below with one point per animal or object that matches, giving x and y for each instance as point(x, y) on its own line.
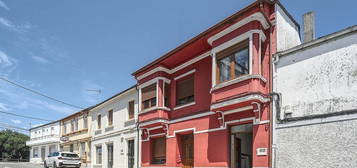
point(39, 93)
point(12, 127)
point(18, 115)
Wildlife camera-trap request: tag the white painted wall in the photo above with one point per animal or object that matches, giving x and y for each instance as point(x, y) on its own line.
point(122, 130)
point(43, 136)
point(287, 31)
point(313, 81)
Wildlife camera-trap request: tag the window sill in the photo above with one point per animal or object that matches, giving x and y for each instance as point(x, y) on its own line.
point(184, 105)
point(154, 108)
point(237, 80)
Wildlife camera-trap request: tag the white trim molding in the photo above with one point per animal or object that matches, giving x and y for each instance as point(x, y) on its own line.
point(153, 122)
point(239, 100)
point(154, 108)
point(184, 105)
point(258, 16)
point(184, 65)
point(185, 74)
point(238, 39)
point(152, 81)
point(237, 80)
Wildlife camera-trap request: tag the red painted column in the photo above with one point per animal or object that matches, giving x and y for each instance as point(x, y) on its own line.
point(255, 52)
point(261, 141)
point(160, 90)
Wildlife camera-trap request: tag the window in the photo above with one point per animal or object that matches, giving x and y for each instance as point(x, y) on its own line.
point(72, 125)
point(131, 109)
point(64, 128)
point(52, 148)
point(185, 91)
point(35, 152)
point(85, 122)
point(98, 150)
point(110, 117)
point(71, 148)
point(99, 122)
point(76, 124)
point(83, 149)
point(167, 95)
point(148, 96)
point(233, 62)
point(158, 150)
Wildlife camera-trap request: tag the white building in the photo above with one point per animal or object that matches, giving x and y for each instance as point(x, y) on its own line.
point(44, 140)
point(315, 120)
point(114, 133)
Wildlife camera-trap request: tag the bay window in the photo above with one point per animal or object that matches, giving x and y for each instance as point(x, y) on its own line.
point(233, 62)
point(185, 91)
point(148, 96)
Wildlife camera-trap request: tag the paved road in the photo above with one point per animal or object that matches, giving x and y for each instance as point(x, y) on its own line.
point(23, 165)
point(19, 165)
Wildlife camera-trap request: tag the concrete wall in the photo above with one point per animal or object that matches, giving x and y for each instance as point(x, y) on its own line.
point(287, 32)
point(317, 80)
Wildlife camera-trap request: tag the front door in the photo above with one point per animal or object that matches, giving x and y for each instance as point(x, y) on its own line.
point(131, 153)
point(241, 146)
point(43, 153)
point(110, 155)
point(187, 150)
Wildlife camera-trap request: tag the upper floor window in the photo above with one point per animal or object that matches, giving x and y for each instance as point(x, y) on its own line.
point(233, 62)
point(76, 124)
point(110, 117)
point(99, 121)
point(72, 125)
point(131, 109)
point(158, 151)
point(85, 122)
point(167, 95)
point(64, 128)
point(185, 91)
point(148, 96)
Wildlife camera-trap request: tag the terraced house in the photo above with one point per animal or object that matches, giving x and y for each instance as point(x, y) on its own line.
point(207, 103)
point(114, 131)
point(75, 134)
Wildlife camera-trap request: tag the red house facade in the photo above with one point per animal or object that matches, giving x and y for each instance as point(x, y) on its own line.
point(206, 103)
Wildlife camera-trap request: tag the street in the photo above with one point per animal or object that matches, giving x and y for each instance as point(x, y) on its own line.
point(19, 165)
point(23, 165)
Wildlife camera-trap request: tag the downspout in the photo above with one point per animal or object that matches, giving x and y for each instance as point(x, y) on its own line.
point(137, 135)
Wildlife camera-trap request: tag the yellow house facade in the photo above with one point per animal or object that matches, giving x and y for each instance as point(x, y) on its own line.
point(75, 134)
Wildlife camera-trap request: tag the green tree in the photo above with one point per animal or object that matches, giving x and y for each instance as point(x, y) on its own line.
point(13, 145)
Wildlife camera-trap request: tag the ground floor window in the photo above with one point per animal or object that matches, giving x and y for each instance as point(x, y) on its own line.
point(35, 152)
point(158, 151)
point(52, 149)
point(71, 148)
point(98, 150)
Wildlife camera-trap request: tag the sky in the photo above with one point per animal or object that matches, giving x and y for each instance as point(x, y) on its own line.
point(65, 48)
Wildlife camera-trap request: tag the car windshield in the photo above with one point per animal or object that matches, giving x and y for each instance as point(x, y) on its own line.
point(69, 155)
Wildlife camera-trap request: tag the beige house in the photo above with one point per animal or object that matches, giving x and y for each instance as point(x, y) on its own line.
point(75, 134)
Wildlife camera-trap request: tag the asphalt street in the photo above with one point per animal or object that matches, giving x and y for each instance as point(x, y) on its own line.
point(23, 165)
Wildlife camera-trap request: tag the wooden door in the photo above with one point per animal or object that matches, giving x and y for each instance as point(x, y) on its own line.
point(131, 154)
point(110, 155)
point(187, 150)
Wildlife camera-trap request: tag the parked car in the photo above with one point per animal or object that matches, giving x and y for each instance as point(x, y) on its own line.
point(62, 159)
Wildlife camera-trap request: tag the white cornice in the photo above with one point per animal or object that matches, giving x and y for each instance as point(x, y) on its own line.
point(184, 65)
point(256, 16)
point(238, 39)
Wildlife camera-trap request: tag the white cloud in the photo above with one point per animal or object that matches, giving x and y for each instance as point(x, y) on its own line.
point(16, 121)
point(3, 5)
point(4, 107)
point(40, 60)
point(7, 63)
point(12, 27)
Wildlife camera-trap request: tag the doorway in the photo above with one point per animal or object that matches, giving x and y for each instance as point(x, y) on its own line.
point(242, 146)
point(43, 153)
point(131, 153)
point(110, 155)
point(187, 150)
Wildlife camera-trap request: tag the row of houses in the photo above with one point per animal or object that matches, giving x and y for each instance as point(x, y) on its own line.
point(245, 93)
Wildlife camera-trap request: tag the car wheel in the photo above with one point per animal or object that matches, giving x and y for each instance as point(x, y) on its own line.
point(45, 165)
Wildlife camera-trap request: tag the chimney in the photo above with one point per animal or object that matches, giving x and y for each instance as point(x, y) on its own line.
point(309, 26)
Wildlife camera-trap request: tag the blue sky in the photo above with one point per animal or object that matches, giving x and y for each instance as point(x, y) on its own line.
point(63, 48)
